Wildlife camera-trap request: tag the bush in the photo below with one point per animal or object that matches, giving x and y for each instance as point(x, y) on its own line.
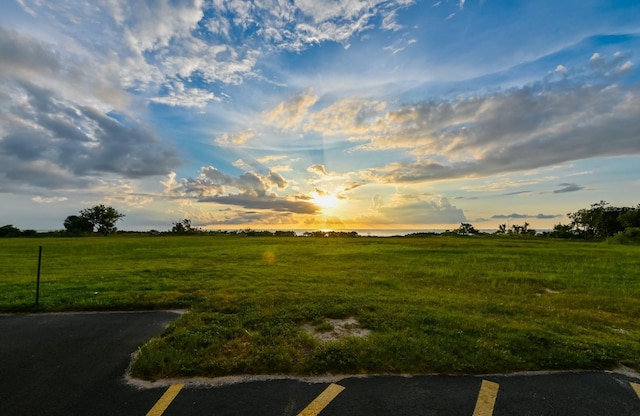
point(630, 235)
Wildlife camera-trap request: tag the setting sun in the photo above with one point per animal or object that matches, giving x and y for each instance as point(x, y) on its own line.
point(325, 201)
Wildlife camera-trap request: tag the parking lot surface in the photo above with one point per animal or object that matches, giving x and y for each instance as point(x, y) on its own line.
point(75, 364)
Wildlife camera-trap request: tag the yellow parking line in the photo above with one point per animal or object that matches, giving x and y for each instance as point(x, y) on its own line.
point(636, 388)
point(166, 399)
point(315, 407)
point(486, 398)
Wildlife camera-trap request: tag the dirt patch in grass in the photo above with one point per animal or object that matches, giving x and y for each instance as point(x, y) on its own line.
point(336, 329)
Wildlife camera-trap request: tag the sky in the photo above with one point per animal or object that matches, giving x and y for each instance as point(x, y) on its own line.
point(318, 114)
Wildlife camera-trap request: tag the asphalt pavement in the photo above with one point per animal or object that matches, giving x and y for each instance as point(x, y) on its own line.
point(75, 364)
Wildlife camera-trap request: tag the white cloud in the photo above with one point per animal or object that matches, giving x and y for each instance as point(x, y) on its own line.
point(148, 27)
point(49, 200)
point(271, 158)
point(626, 66)
point(179, 96)
point(238, 139)
point(350, 116)
point(389, 22)
point(156, 44)
point(289, 114)
point(393, 50)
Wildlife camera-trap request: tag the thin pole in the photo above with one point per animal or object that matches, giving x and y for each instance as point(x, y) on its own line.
point(38, 279)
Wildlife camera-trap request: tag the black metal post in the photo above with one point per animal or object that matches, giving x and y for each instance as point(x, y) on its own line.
point(38, 280)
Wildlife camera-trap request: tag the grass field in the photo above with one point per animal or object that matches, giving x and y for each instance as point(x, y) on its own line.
point(432, 305)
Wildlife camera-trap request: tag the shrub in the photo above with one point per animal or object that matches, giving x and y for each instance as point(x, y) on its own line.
point(630, 235)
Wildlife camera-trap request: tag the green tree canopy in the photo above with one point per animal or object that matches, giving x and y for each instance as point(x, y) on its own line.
point(100, 218)
point(602, 220)
point(76, 224)
point(9, 231)
point(466, 229)
point(182, 227)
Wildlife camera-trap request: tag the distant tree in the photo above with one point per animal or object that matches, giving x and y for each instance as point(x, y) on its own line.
point(181, 227)
point(562, 231)
point(630, 218)
point(76, 224)
point(522, 229)
point(184, 227)
point(502, 229)
point(9, 231)
point(599, 221)
point(102, 218)
point(466, 229)
point(332, 234)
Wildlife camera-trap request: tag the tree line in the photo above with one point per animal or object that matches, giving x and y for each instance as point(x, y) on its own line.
point(598, 222)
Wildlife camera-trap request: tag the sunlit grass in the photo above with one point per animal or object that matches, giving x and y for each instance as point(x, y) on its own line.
point(440, 304)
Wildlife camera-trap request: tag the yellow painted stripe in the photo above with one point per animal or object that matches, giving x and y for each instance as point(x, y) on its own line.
point(315, 407)
point(486, 398)
point(166, 399)
point(636, 388)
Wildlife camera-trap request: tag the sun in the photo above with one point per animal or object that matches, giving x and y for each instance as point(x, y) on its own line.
point(325, 200)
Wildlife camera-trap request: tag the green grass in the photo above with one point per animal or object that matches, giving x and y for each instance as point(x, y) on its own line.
point(440, 304)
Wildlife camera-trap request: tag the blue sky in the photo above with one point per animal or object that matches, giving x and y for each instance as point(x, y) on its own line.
point(318, 114)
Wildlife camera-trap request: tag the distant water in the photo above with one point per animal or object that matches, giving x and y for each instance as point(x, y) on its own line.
point(373, 232)
point(390, 233)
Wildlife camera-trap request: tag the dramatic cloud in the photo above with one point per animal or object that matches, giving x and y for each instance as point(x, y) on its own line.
point(250, 190)
point(171, 43)
point(307, 112)
point(48, 141)
point(520, 129)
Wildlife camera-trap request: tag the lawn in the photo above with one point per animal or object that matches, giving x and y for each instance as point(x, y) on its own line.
point(455, 305)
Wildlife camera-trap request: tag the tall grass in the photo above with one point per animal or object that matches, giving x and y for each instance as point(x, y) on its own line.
point(440, 304)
